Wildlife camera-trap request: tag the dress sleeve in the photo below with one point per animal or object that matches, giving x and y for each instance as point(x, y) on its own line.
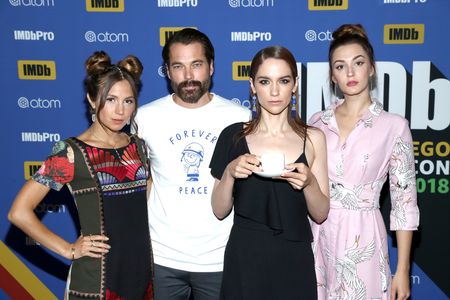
point(222, 152)
point(58, 168)
point(402, 182)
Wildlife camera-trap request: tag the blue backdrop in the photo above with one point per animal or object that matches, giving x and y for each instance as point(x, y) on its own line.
point(44, 44)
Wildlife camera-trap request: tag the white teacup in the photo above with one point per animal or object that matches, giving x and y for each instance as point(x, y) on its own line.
point(272, 162)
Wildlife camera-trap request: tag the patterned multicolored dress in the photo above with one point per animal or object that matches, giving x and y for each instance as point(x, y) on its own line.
point(109, 188)
point(351, 250)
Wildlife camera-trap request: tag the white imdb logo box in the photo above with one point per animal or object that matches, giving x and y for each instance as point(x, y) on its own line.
point(36, 69)
point(166, 32)
point(105, 5)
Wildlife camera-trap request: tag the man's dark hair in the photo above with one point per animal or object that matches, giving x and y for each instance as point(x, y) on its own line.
point(188, 36)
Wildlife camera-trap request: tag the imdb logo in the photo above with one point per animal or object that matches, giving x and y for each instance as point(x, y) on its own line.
point(241, 70)
point(404, 33)
point(327, 4)
point(105, 5)
point(36, 69)
point(166, 32)
point(31, 167)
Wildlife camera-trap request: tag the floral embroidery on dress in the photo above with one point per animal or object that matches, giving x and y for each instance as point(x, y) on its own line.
point(58, 168)
point(113, 171)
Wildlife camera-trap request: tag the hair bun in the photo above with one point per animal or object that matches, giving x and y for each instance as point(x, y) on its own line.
point(97, 63)
point(133, 65)
point(350, 30)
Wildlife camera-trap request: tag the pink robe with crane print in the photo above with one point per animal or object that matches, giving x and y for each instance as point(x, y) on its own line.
point(350, 247)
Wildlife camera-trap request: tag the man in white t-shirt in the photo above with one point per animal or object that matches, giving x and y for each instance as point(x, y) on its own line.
point(181, 131)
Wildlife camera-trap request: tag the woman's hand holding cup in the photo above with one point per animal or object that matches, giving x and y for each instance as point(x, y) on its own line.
point(244, 166)
point(300, 178)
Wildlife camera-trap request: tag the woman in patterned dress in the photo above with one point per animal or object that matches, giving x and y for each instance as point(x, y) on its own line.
point(365, 144)
point(107, 173)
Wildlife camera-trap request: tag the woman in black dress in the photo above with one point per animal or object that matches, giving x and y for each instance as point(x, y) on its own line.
point(107, 173)
point(269, 254)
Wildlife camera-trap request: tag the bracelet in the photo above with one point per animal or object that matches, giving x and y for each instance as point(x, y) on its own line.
point(73, 252)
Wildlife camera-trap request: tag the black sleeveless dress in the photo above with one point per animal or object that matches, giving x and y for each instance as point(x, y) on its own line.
point(269, 253)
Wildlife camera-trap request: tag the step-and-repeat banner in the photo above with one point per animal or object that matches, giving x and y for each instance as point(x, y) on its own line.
point(44, 43)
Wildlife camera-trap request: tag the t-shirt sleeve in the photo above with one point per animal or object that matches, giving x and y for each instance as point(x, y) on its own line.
point(222, 152)
point(58, 168)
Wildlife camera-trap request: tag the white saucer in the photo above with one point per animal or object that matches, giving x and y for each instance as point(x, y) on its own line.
point(272, 174)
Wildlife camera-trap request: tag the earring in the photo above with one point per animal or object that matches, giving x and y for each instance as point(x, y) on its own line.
point(93, 118)
point(254, 101)
point(294, 102)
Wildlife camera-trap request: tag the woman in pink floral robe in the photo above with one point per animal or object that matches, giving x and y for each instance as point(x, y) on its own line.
point(365, 144)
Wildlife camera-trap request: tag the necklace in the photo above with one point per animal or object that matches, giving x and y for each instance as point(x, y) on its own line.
point(119, 157)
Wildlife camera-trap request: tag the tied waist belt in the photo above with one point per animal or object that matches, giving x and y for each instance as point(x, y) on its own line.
point(365, 197)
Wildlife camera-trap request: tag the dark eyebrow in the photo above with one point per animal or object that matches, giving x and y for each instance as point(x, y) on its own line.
point(192, 62)
point(354, 58)
point(282, 77)
point(358, 56)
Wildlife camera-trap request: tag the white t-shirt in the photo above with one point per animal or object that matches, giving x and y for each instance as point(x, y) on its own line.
point(185, 233)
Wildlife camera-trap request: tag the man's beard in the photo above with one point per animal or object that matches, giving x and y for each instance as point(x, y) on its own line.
point(194, 95)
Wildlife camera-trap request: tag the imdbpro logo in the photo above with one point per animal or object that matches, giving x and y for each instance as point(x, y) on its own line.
point(404, 33)
point(30, 167)
point(36, 69)
point(166, 32)
point(105, 5)
point(241, 70)
point(327, 4)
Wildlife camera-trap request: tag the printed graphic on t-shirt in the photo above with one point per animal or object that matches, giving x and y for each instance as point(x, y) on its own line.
point(194, 146)
point(192, 157)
